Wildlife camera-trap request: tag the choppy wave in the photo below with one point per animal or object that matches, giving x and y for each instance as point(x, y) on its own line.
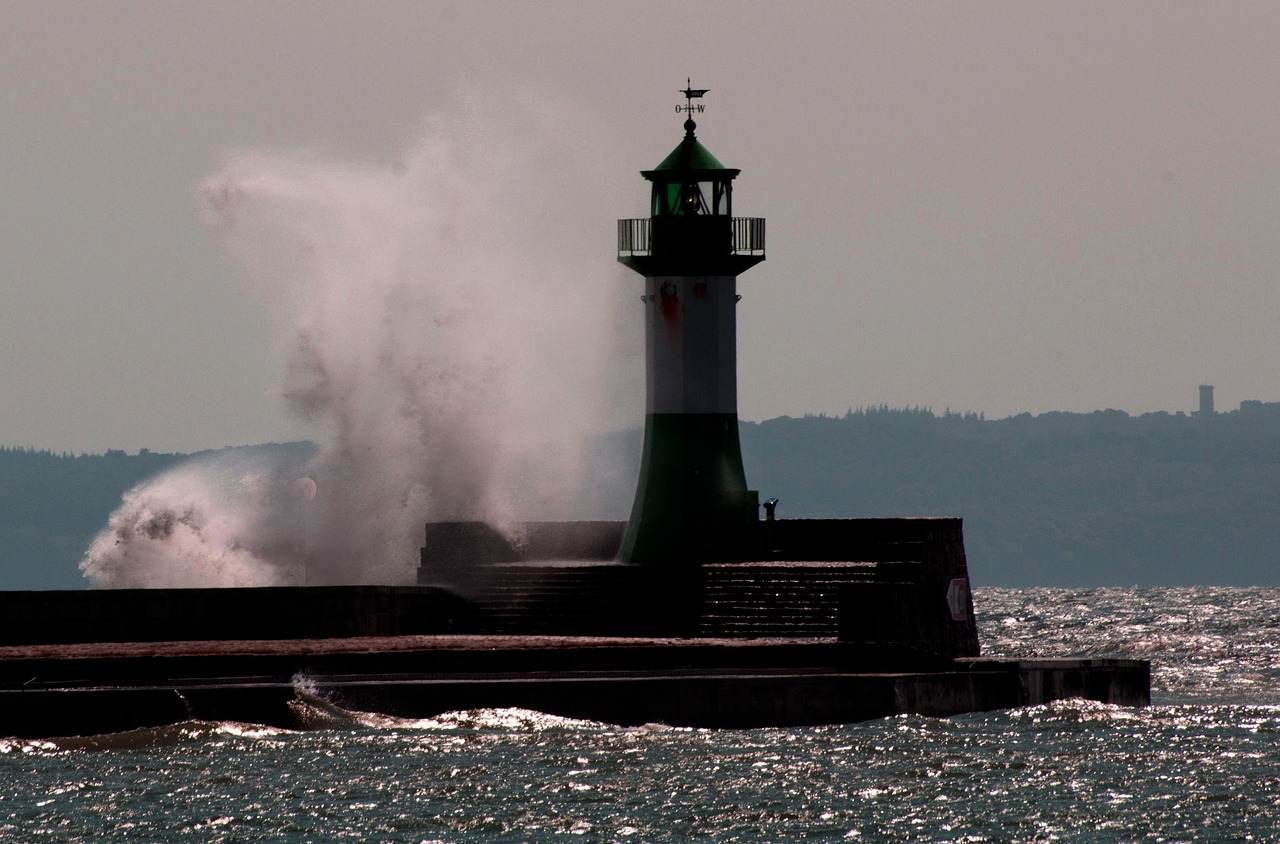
point(185, 732)
point(1205, 644)
point(312, 709)
point(314, 712)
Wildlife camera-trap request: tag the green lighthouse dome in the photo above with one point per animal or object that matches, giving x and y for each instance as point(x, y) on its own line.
point(689, 155)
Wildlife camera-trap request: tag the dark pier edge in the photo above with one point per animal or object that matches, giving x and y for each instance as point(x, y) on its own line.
point(836, 621)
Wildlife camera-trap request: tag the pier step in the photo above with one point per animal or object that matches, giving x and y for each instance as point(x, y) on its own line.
point(749, 600)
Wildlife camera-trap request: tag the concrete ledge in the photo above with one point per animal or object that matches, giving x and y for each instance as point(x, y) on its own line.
point(705, 683)
point(285, 612)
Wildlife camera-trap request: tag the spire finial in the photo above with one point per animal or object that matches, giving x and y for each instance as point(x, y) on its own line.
point(690, 94)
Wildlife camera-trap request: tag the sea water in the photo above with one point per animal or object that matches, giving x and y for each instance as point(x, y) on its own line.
point(1201, 764)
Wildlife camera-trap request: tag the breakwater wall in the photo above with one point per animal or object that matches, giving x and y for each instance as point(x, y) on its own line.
point(287, 612)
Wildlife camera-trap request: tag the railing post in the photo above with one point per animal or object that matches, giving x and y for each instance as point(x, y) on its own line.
point(748, 235)
point(634, 237)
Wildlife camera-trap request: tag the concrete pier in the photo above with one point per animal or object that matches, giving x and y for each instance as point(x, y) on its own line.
point(837, 621)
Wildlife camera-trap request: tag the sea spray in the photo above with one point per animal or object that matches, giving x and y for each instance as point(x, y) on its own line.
point(449, 330)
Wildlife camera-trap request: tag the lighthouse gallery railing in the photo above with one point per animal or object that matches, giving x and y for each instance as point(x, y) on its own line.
point(746, 237)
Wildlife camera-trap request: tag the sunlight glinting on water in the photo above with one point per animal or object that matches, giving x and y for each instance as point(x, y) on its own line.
point(1202, 764)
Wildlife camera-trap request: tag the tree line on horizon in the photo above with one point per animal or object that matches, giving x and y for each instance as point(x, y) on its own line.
point(1056, 499)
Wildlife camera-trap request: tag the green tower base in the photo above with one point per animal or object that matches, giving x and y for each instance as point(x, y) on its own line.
point(692, 505)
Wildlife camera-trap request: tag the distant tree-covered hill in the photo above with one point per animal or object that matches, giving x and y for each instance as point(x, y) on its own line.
point(1058, 499)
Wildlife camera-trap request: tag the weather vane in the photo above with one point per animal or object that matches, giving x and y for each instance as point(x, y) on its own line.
point(690, 94)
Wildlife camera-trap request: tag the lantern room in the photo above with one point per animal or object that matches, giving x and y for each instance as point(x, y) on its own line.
point(691, 229)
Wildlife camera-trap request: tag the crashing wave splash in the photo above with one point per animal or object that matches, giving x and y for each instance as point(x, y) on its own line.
point(445, 334)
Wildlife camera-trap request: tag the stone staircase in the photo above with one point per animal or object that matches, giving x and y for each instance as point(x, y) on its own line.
point(765, 600)
point(605, 599)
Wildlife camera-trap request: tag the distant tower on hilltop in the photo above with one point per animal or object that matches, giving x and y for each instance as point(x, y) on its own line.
point(692, 503)
point(1206, 400)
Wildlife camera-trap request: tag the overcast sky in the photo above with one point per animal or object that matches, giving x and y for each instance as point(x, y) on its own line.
point(995, 207)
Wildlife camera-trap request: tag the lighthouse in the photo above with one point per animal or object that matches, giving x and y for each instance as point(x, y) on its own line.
point(692, 504)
